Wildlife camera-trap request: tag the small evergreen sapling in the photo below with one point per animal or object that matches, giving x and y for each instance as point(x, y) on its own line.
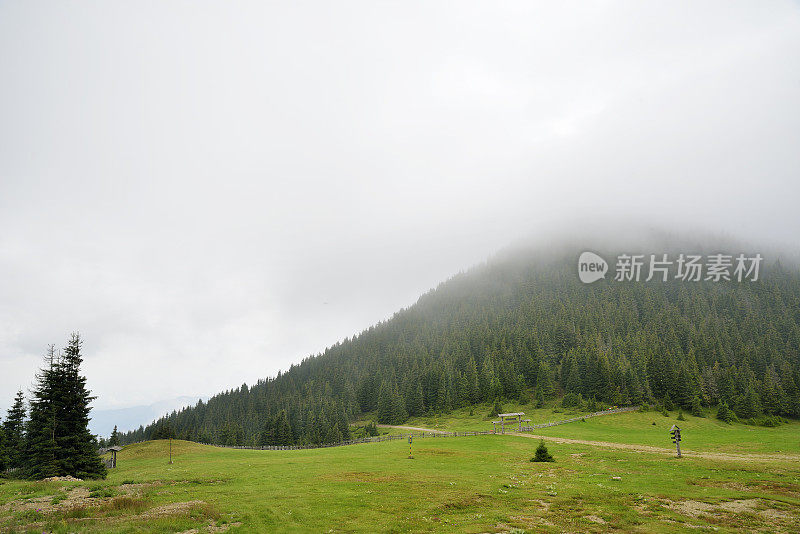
point(542, 455)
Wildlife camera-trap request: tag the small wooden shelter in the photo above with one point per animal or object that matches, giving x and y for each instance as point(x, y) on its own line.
point(504, 416)
point(114, 450)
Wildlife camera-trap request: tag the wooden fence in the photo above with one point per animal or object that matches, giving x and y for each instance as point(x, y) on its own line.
point(580, 417)
point(374, 439)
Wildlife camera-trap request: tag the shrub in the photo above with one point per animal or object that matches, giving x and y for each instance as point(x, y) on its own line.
point(681, 417)
point(542, 454)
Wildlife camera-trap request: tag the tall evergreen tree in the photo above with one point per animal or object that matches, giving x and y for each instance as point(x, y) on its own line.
point(114, 439)
point(58, 438)
point(14, 430)
point(76, 444)
point(3, 451)
point(42, 458)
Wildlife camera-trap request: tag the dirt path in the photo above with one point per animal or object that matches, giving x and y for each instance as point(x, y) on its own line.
point(419, 429)
point(633, 447)
point(660, 450)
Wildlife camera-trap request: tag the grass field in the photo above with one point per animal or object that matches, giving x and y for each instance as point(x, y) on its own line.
point(473, 484)
point(699, 433)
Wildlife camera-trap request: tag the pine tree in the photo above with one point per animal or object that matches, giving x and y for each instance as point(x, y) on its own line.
point(398, 408)
point(750, 405)
point(696, 409)
point(772, 392)
point(417, 401)
point(725, 414)
point(42, 458)
point(3, 451)
point(14, 427)
point(76, 447)
point(114, 439)
point(473, 382)
point(542, 454)
point(538, 398)
point(284, 430)
point(385, 404)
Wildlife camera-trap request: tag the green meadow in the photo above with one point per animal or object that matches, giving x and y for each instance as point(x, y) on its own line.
point(699, 433)
point(452, 484)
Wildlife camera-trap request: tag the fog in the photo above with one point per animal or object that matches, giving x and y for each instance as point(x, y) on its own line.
point(211, 191)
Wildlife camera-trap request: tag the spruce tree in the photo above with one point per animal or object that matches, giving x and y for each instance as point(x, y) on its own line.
point(76, 445)
point(42, 457)
point(114, 439)
point(542, 454)
point(385, 404)
point(725, 414)
point(58, 441)
point(417, 401)
point(750, 404)
point(398, 409)
point(696, 409)
point(14, 430)
point(284, 430)
point(3, 451)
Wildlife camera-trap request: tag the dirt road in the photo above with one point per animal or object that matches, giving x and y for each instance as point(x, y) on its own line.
point(661, 450)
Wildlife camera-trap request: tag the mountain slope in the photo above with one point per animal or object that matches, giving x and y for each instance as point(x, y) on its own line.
point(523, 326)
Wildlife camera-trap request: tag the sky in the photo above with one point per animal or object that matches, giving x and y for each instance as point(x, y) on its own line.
point(211, 191)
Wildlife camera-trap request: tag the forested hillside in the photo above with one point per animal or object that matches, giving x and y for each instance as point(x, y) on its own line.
point(523, 327)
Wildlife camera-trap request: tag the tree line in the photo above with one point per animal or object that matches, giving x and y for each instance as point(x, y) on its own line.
point(523, 328)
point(50, 437)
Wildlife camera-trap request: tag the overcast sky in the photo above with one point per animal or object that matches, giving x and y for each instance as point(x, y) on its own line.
point(210, 191)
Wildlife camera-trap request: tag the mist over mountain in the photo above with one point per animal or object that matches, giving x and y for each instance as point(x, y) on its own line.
point(522, 326)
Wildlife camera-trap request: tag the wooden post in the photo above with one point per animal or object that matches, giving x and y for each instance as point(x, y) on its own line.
point(675, 433)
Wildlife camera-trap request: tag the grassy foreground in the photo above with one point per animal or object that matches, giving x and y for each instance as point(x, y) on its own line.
point(473, 484)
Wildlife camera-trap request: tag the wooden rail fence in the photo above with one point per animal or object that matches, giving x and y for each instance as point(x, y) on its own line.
point(424, 434)
point(374, 439)
point(580, 417)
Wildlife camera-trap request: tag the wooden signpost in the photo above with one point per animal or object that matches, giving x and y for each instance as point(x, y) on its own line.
point(675, 433)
